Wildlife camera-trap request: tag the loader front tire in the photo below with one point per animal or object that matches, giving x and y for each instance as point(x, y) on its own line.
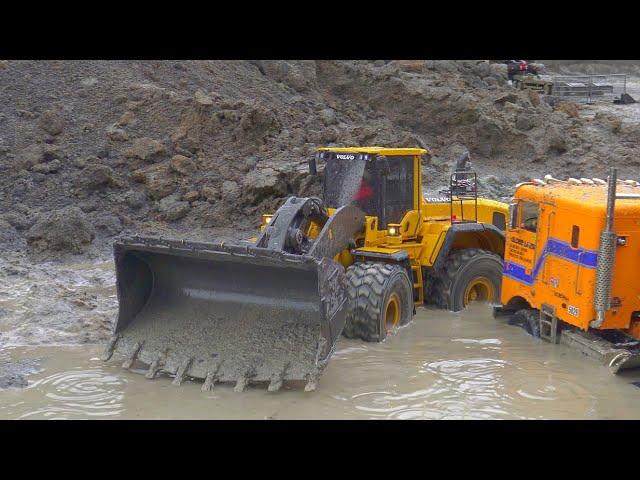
point(468, 275)
point(380, 299)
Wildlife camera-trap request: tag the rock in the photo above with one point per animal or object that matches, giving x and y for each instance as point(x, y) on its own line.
point(126, 118)
point(328, 116)
point(145, 148)
point(9, 236)
point(18, 220)
point(299, 75)
point(258, 123)
point(171, 208)
point(135, 199)
point(66, 229)
point(117, 134)
point(183, 165)
point(49, 167)
point(106, 224)
point(51, 122)
point(571, 109)
point(50, 152)
point(89, 82)
point(191, 196)
point(411, 66)
point(30, 156)
point(265, 183)
point(524, 122)
point(482, 69)
point(557, 142)
point(509, 97)
point(158, 180)
point(210, 193)
point(202, 98)
point(230, 189)
point(95, 175)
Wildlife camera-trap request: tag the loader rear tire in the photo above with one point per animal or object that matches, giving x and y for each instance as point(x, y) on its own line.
point(380, 299)
point(468, 275)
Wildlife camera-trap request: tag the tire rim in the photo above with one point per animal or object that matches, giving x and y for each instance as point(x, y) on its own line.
point(392, 312)
point(479, 289)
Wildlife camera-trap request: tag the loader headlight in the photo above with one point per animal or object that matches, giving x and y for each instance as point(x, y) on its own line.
point(393, 229)
point(266, 219)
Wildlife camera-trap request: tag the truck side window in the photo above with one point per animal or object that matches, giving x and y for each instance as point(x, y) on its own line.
point(529, 213)
point(575, 236)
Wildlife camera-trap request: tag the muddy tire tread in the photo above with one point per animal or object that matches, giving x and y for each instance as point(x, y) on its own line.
point(444, 279)
point(366, 288)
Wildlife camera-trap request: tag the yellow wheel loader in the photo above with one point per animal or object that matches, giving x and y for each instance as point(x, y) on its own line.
point(357, 261)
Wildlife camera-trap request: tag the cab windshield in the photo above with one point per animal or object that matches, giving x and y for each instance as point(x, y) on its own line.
point(351, 182)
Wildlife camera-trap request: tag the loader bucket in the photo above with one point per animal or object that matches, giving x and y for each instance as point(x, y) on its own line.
point(222, 313)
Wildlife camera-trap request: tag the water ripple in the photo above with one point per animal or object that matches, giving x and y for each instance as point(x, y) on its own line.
point(79, 393)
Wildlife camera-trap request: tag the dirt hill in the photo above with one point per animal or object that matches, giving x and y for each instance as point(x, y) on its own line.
point(89, 149)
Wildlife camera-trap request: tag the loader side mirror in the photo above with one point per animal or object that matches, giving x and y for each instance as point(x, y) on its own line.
point(513, 215)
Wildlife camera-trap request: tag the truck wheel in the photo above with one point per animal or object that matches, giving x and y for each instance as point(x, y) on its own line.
point(467, 276)
point(529, 319)
point(380, 298)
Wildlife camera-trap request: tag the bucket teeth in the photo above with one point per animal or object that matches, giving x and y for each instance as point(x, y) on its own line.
point(153, 369)
point(108, 351)
point(277, 380)
point(182, 370)
point(211, 377)
point(312, 382)
point(241, 383)
point(132, 358)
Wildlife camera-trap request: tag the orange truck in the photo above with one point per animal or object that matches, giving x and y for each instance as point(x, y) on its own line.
point(571, 262)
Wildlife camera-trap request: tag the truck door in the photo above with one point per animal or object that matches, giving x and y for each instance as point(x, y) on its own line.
point(522, 242)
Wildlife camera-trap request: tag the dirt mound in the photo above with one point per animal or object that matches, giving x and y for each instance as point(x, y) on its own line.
point(180, 147)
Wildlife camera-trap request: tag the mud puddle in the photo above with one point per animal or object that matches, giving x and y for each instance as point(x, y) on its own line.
point(442, 365)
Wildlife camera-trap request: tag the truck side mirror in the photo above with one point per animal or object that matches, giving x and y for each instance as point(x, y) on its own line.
point(513, 214)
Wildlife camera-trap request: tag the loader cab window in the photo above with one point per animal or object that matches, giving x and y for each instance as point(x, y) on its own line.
point(351, 181)
point(398, 189)
point(529, 213)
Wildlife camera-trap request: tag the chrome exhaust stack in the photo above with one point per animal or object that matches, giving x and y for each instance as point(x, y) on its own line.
point(606, 257)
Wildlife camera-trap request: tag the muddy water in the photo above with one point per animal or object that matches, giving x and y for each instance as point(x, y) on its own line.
point(442, 365)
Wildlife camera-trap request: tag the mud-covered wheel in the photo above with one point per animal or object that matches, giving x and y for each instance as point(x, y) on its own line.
point(380, 299)
point(529, 319)
point(468, 275)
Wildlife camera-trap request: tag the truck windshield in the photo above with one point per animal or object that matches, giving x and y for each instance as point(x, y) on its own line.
point(351, 182)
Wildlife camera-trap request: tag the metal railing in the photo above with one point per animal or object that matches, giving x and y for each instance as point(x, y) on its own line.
point(590, 88)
